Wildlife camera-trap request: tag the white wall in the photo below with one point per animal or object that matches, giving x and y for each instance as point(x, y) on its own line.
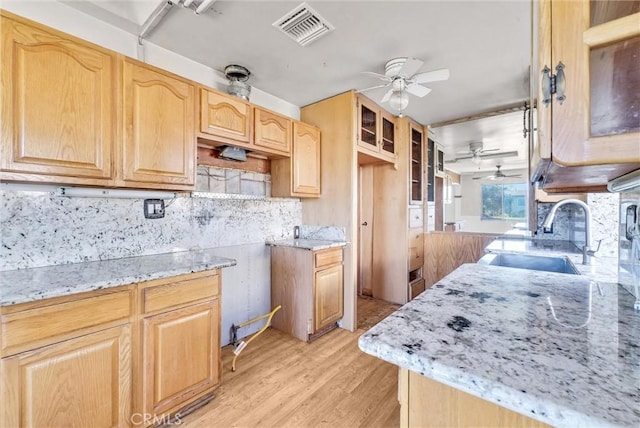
point(471, 203)
point(69, 20)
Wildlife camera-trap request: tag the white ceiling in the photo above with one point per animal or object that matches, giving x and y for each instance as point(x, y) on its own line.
point(503, 132)
point(485, 44)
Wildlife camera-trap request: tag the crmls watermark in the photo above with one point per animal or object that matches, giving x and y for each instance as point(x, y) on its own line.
point(147, 419)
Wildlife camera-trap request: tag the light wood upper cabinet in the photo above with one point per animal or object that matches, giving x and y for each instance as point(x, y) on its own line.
point(63, 120)
point(272, 131)
point(58, 107)
point(416, 163)
point(590, 51)
point(305, 160)
point(376, 132)
point(225, 117)
point(159, 141)
point(299, 176)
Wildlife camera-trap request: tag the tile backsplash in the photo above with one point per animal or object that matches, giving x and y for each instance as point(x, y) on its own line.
point(232, 181)
point(40, 229)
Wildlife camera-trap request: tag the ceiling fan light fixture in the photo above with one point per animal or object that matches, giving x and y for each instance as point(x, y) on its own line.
point(399, 100)
point(476, 159)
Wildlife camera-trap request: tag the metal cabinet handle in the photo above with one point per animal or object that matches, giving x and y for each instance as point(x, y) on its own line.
point(365, 224)
point(560, 82)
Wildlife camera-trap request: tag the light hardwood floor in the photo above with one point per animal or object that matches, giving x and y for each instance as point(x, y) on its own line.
point(283, 382)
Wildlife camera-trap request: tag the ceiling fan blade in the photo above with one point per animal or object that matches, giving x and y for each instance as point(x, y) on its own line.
point(417, 90)
point(488, 150)
point(431, 76)
point(411, 65)
point(377, 75)
point(387, 96)
point(499, 155)
point(490, 177)
point(513, 176)
point(371, 87)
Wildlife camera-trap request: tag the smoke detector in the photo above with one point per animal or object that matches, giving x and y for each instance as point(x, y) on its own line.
point(238, 76)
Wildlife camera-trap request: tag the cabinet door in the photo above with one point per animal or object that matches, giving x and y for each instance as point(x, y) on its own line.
point(272, 132)
point(415, 164)
point(597, 45)
point(305, 160)
point(159, 139)
point(77, 383)
point(328, 296)
point(416, 249)
point(387, 134)
point(368, 116)
point(226, 117)
point(181, 356)
point(58, 106)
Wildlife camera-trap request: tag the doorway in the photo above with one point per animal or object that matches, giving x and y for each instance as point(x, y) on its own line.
point(365, 229)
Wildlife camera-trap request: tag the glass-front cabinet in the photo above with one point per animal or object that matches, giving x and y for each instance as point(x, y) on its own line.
point(431, 146)
point(416, 162)
point(376, 131)
point(589, 96)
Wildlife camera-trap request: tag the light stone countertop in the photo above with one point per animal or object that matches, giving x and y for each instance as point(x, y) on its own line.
point(490, 331)
point(26, 285)
point(307, 244)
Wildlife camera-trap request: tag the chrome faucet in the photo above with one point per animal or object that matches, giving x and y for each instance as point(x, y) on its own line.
point(587, 252)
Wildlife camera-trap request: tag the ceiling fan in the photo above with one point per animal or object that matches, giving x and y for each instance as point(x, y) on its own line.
point(477, 153)
point(497, 175)
point(401, 78)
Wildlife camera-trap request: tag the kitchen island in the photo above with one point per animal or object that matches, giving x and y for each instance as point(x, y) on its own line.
point(557, 348)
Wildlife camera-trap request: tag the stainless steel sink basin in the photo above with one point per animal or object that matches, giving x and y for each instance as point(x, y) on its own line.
point(526, 261)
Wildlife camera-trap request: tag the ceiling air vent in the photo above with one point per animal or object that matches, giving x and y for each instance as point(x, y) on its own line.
point(303, 24)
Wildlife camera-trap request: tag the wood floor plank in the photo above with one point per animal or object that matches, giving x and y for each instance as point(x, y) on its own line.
point(283, 382)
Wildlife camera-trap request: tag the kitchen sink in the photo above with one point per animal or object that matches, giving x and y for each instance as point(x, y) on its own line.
point(525, 261)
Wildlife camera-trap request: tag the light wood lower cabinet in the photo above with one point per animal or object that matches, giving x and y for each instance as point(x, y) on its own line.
point(310, 286)
point(77, 383)
point(180, 356)
point(427, 403)
point(179, 362)
point(67, 361)
point(131, 355)
point(328, 296)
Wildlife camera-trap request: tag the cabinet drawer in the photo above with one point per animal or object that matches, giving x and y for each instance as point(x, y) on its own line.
point(415, 217)
point(179, 293)
point(328, 257)
point(416, 250)
point(37, 327)
point(416, 287)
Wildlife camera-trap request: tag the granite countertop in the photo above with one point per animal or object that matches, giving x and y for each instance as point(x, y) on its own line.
point(492, 332)
point(307, 244)
point(26, 285)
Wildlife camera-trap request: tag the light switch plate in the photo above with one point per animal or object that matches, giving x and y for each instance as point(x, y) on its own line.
point(153, 208)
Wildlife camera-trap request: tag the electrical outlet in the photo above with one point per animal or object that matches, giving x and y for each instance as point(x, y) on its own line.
point(153, 208)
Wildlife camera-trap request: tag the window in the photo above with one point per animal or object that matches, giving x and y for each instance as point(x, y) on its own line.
point(504, 201)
